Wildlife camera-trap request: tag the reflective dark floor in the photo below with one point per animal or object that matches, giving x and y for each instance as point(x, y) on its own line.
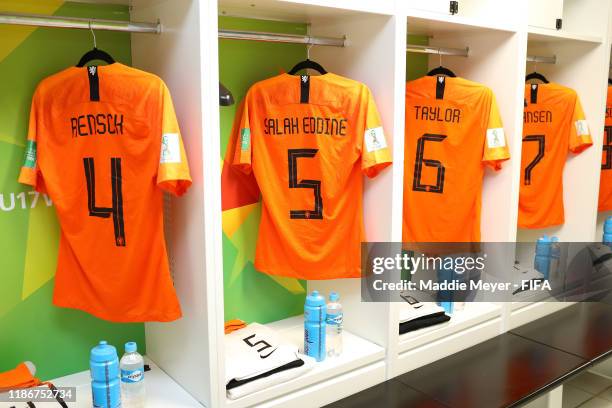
point(506, 371)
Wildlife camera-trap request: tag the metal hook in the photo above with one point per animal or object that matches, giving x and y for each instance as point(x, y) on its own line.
point(308, 48)
point(440, 55)
point(93, 34)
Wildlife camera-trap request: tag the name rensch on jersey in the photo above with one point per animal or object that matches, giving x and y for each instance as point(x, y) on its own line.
point(94, 125)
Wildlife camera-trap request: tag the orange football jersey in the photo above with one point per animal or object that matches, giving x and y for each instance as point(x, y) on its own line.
point(605, 181)
point(453, 130)
point(553, 125)
point(104, 143)
point(308, 140)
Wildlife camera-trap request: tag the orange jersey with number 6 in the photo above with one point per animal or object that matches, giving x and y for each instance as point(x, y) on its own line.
point(309, 140)
point(104, 143)
point(553, 125)
point(453, 130)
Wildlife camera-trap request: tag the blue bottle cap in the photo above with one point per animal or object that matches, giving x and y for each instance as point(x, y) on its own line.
point(131, 347)
point(103, 352)
point(315, 299)
point(334, 297)
point(554, 239)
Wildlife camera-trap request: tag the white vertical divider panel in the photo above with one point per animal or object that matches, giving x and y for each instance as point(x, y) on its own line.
point(371, 58)
point(397, 203)
point(187, 348)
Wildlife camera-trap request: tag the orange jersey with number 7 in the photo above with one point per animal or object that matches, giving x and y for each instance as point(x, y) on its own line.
point(309, 140)
point(104, 143)
point(605, 180)
point(453, 131)
point(553, 125)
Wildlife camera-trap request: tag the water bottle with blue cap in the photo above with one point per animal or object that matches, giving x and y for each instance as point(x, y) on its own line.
point(607, 232)
point(314, 326)
point(104, 368)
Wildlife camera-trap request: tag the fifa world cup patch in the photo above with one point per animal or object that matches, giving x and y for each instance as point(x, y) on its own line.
point(30, 154)
point(496, 138)
point(245, 139)
point(374, 139)
point(170, 148)
point(582, 128)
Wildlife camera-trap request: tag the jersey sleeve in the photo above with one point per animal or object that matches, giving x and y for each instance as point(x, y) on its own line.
point(173, 171)
point(495, 149)
point(375, 155)
point(243, 145)
point(30, 173)
point(579, 137)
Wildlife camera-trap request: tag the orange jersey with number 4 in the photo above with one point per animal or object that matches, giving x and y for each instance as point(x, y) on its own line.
point(453, 130)
point(309, 140)
point(553, 125)
point(605, 181)
point(104, 143)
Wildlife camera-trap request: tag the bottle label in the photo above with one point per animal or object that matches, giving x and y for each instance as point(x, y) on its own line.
point(132, 376)
point(334, 319)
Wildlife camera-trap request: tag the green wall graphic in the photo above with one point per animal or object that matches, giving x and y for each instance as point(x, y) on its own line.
point(31, 328)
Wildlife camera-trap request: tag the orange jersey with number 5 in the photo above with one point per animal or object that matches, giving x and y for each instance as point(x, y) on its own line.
point(453, 130)
point(309, 140)
point(553, 125)
point(104, 143)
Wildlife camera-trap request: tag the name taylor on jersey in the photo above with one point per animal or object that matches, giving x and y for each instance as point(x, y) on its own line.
point(437, 114)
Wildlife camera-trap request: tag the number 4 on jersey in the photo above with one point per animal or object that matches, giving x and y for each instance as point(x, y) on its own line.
point(117, 197)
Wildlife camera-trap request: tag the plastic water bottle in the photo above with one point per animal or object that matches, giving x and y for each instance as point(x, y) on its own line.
point(555, 258)
point(314, 326)
point(104, 369)
point(607, 232)
point(334, 325)
point(541, 262)
point(132, 377)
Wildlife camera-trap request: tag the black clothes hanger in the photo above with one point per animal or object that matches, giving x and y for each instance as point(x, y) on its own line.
point(536, 75)
point(441, 71)
point(225, 96)
point(307, 64)
point(95, 53)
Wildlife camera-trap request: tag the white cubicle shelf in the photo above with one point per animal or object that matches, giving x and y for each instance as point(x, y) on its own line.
point(473, 314)
point(302, 11)
point(550, 35)
point(361, 363)
point(424, 22)
point(523, 313)
point(162, 391)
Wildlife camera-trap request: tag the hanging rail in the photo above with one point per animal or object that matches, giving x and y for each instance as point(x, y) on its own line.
point(39, 20)
point(543, 60)
point(428, 49)
point(283, 38)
